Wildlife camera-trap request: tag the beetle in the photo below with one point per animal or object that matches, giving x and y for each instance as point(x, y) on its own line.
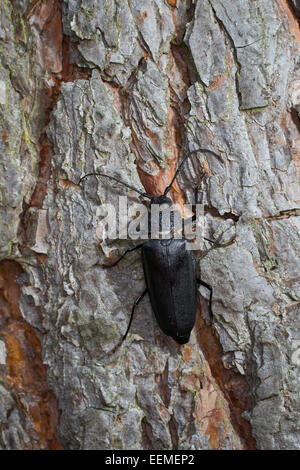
point(169, 271)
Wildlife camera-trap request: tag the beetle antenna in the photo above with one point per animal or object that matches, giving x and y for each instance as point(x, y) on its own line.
point(221, 245)
point(182, 163)
point(216, 244)
point(117, 180)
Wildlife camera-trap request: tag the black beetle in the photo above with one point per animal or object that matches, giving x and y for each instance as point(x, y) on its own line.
point(170, 273)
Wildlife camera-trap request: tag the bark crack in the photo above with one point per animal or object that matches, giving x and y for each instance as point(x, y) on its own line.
point(234, 54)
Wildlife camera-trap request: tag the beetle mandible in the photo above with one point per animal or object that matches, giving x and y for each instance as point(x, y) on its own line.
point(169, 271)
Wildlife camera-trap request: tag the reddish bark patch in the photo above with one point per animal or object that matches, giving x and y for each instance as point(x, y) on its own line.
point(116, 90)
point(160, 177)
point(216, 425)
point(210, 412)
point(157, 183)
point(46, 154)
point(42, 258)
point(67, 184)
point(290, 124)
point(144, 16)
point(47, 16)
point(187, 352)
point(216, 83)
point(4, 135)
point(26, 372)
point(292, 21)
point(141, 18)
point(232, 384)
point(56, 50)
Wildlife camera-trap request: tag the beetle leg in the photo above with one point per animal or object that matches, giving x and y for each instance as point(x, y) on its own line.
point(216, 244)
point(207, 286)
point(136, 302)
point(221, 245)
point(190, 220)
point(123, 255)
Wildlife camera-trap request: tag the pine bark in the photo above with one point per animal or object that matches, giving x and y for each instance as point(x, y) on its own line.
point(128, 87)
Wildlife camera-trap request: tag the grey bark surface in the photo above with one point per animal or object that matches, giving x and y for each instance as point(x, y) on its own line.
point(154, 80)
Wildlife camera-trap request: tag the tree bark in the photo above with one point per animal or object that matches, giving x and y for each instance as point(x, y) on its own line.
point(128, 87)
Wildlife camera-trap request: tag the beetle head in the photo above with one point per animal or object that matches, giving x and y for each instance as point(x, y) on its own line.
point(162, 200)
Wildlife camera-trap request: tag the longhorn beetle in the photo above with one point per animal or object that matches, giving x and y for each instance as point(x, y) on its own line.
point(170, 272)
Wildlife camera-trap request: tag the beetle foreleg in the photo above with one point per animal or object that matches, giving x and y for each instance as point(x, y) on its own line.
point(221, 245)
point(136, 302)
point(216, 244)
point(122, 256)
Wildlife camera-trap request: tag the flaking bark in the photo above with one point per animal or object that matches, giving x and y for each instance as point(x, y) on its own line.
point(128, 87)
